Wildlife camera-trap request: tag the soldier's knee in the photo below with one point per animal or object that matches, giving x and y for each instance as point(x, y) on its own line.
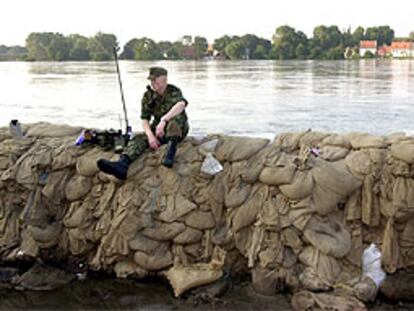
point(174, 128)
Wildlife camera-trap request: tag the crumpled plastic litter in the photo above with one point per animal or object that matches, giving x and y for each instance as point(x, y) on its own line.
point(211, 165)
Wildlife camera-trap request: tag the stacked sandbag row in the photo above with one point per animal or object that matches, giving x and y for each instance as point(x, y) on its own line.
point(296, 212)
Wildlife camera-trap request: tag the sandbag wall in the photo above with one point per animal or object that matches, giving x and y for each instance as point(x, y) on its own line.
point(295, 212)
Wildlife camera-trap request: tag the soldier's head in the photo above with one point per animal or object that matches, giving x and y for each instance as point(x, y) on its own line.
point(158, 78)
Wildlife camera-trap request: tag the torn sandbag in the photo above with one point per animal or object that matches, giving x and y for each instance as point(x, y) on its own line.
point(182, 278)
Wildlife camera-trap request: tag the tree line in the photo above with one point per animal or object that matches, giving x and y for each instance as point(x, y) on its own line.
point(327, 42)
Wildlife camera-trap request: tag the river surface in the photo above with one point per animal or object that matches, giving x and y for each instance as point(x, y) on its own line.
point(248, 98)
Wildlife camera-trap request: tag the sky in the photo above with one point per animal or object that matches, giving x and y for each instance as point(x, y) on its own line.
point(171, 19)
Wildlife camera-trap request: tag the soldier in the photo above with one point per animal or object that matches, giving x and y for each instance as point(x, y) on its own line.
point(165, 105)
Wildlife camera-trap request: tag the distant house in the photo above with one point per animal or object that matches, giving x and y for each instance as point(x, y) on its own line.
point(402, 49)
point(367, 46)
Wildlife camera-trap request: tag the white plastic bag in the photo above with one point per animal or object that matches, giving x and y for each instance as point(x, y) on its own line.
point(371, 264)
point(210, 165)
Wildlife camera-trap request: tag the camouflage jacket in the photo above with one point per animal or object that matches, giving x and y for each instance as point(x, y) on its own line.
point(155, 105)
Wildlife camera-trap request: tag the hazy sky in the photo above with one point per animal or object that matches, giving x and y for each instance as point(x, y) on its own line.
point(170, 19)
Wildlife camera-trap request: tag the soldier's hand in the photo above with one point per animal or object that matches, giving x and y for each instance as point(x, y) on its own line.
point(153, 142)
point(160, 129)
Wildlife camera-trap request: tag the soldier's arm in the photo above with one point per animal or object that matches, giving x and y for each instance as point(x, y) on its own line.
point(152, 140)
point(175, 110)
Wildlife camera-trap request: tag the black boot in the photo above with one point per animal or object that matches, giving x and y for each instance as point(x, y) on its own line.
point(119, 169)
point(170, 154)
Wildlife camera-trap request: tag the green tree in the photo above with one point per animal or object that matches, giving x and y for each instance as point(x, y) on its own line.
point(358, 35)
point(78, 47)
point(147, 49)
point(261, 52)
point(220, 44)
point(165, 48)
point(101, 46)
point(411, 36)
point(289, 44)
point(327, 42)
point(58, 48)
point(37, 44)
point(176, 51)
point(235, 50)
point(200, 45)
point(382, 34)
point(129, 49)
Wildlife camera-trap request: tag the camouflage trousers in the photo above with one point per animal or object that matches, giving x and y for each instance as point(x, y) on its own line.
point(177, 128)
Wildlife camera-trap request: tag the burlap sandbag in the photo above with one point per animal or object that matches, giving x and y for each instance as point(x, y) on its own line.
point(247, 213)
point(390, 249)
point(325, 266)
point(47, 236)
point(250, 173)
point(288, 141)
point(200, 220)
point(44, 129)
point(366, 290)
point(126, 268)
point(237, 196)
point(310, 280)
point(4, 162)
point(336, 140)
point(183, 278)
point(403, 195)
point(329, 236)
point(277, 175)
point(26, 171)
point(77, 187)
point(188, 236)
point(333, 153)
point(164, 232)
point(370, 202)
point(239, 148)
point(312, 138)
point(403, 151)
point(86, 164)
point(176, 208)
point(359, 163)
point(333, 182)
point(301, 187)
point(397, 137)
point(144, 244)
point(159, 259)
point(364, 140)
